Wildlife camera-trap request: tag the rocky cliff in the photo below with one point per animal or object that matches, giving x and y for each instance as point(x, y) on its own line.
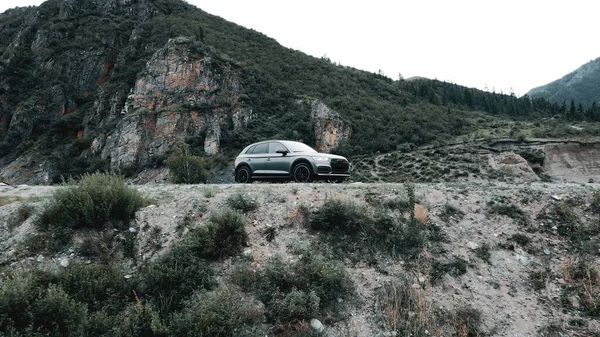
point(90, 85)
point(185, 90)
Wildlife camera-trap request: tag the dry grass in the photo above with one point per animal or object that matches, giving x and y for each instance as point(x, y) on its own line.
point(421, 213)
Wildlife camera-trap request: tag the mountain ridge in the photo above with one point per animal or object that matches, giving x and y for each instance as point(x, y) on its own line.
point(580, 86)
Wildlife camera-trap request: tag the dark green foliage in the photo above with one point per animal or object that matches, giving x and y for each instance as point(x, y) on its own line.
point(23, 213)
point(483, 252)
point(242, 202)
point(223, 312)
point(467, 321)
point(539, 278)
point(295, 290)
point(340, 216)
point(366, 235)
point(185, 168)
point(174, 276)
point(270, 233)
point(455, 268)
point(595, 204)
point(450, 211)
point(568, 224)
point(520, 239)
point(99, 201)
point(502, 207)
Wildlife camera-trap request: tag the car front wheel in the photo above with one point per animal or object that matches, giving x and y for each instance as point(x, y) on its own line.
point(243, 175)
point(301, 173)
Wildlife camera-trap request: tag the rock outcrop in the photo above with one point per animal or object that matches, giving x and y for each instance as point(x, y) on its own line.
point(330, 130)
point(186, 90)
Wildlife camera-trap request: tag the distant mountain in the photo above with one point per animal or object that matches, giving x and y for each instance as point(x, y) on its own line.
point(581, 86)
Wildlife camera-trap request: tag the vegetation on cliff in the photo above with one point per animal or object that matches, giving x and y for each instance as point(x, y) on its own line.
point(66, 71)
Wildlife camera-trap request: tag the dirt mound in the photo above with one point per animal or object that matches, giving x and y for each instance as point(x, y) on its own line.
point(573, 162)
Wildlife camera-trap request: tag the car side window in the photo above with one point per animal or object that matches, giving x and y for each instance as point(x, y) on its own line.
point(260, 148)
point(250, 150)
point(274, 147)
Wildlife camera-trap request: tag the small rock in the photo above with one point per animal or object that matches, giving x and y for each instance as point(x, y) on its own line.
point(132, 230)
point(556, 197)
point(64, 262)
point(128, 276)
point(522, 259)
point(472, 245)
point(247, 252)
point(317, 325)
point(547, 251)
point(422, 279)
point(40, 258)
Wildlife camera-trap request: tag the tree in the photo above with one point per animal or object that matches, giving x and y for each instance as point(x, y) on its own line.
point(185, 168)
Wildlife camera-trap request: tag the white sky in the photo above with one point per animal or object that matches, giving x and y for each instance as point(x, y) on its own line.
point(517, 44)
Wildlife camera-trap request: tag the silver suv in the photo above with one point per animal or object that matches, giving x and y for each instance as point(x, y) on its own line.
point(287, 160)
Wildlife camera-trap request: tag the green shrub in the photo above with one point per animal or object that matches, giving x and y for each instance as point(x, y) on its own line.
point(467, 321)
point(23, 213)
point(295, 290)
point(26, 308)
point(483, 252)
point(510, 210)
point(520, 239)
point(185, 168)
point(100, 287)
point(367, 234)
point(451, 212)
point(242, 203)
point(294, 305)
point(98, 201)
point(174, 276)
point(339, 216)
point(455, 268)
point(224, 312)
point(225, 234)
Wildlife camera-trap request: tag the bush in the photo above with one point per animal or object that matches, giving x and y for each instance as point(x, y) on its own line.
point(340, 216)
point(174, 276)
point(510, 210)
point(23, 213)
point(451, 212)
point(223, 312)
point(242, 203)
point(185, 168)
point(295, 291)
point(98, 201)
point(401, 308)
point(28, 309)
point(366, 235)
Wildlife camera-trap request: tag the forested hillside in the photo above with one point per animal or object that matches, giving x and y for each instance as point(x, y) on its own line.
point(579, 87)
point(68, 69)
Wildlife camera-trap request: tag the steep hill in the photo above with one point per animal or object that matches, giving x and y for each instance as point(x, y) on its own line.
point(580, 86)
point(112, 85)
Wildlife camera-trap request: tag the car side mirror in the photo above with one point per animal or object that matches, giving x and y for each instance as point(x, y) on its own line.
point(284, 152)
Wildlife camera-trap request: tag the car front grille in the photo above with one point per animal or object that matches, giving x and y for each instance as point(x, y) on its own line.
point(323, 169)
point(340, 165)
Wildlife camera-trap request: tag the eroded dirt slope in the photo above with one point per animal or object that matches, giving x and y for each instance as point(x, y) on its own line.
point(509, 252)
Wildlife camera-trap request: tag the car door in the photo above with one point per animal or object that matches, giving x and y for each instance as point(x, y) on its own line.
point(257, 158)
point(277, 163)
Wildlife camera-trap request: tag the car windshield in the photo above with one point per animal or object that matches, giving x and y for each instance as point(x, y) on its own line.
point(298, 147)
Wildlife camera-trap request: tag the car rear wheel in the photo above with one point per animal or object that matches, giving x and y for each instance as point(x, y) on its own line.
point(302, 173)
point(243, 175)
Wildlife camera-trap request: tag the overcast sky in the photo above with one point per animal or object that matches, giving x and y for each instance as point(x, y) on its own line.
point(518, 44)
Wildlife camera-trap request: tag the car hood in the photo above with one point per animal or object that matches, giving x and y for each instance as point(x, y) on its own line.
point(327, 155)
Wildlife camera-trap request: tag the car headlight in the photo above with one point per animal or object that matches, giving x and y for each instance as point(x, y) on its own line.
point(320, 158)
